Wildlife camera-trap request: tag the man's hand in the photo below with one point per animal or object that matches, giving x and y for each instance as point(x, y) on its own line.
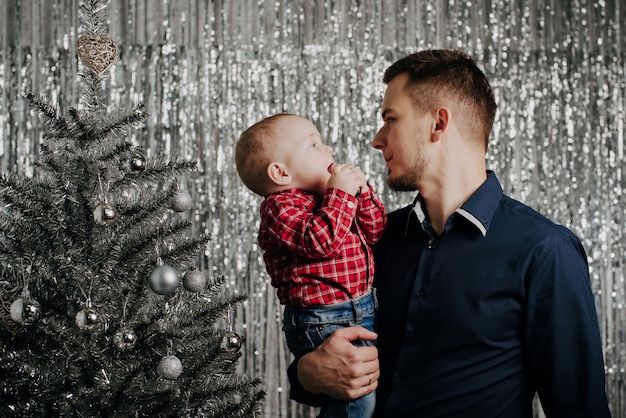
point(340, 369)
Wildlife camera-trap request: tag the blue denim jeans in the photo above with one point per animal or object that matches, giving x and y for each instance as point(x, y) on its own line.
point(306, 328)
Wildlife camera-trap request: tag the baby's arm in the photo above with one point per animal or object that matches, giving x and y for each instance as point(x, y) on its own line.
point(313, 234)
point(370, 211)
point(371, 216)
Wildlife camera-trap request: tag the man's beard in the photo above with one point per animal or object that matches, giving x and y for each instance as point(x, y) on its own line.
point(409, 181)
point(402, 184)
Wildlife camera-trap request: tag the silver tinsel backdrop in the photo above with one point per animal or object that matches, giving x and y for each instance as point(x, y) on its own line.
point(206, 69)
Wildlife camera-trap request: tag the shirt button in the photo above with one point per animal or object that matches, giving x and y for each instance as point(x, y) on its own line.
point(420, 293)
point(431, 246)
point(351, 205)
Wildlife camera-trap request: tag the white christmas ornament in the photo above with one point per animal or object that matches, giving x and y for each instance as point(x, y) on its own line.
point(170, 367)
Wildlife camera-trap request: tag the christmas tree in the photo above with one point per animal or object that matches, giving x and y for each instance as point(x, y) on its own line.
point(103, 308)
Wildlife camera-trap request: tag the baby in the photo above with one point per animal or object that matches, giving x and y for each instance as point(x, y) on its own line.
point(318, 222)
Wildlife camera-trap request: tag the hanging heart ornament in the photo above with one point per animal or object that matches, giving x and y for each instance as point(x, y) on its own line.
point(96, 52)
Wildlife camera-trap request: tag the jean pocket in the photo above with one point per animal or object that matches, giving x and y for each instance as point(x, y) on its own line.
point(319, 332)
point(298, 341)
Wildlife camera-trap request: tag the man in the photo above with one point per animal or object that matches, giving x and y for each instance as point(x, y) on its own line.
point(483, 301)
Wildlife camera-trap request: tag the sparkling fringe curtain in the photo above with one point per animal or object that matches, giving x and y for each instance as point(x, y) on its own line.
point(207, 69)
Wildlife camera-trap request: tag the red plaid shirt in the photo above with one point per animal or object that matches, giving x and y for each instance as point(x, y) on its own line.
point(317, 249)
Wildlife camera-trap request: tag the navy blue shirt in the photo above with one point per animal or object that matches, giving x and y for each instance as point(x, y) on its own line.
point(475, 321)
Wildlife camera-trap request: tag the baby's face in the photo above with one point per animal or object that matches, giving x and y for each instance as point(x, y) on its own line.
point(306, 157)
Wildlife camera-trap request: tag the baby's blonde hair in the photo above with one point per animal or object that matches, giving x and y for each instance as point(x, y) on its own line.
point(254, 152)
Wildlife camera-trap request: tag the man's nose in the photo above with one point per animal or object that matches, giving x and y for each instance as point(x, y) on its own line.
point(378, 140)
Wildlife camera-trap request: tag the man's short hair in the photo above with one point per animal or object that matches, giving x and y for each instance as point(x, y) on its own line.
point(444, 75)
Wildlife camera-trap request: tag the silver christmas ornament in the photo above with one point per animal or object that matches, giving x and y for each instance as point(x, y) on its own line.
point(88, 319)
point(194, 281)
point(231, 342)
point(125, 339)
point(163, 280)
point(104, 214)
point(170, 367)
point(25, 311)
point(181, 201)
point(137, 163)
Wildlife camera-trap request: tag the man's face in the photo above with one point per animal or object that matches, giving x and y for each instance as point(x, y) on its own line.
point(403, 137)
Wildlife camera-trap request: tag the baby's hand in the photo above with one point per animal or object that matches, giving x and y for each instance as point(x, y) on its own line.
point(347, 178)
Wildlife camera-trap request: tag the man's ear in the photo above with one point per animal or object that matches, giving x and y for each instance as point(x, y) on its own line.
point(442, 118)
point(277, 173)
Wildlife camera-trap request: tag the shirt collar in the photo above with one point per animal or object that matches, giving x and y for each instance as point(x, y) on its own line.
point(478, 209)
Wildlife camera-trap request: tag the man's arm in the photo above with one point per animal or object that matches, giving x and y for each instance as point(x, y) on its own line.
point(336, 368)
point(562, 333)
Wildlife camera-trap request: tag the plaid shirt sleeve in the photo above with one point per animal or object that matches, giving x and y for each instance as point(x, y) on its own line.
point(316, 234)
point(370, 216)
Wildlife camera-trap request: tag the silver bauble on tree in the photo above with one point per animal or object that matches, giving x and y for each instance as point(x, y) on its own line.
point(137, 162)
point(88, 319)
point(170, 367)
point(231, 342)
point(164, 279)
point(125, 338)
point(181, 201)
point(25, 311)
point(104, 214)
point(194, 281)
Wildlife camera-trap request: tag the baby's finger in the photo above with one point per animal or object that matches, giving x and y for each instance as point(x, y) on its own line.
point(336, 168)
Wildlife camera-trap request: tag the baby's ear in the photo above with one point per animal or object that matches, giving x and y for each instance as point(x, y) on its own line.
point(277, 173)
